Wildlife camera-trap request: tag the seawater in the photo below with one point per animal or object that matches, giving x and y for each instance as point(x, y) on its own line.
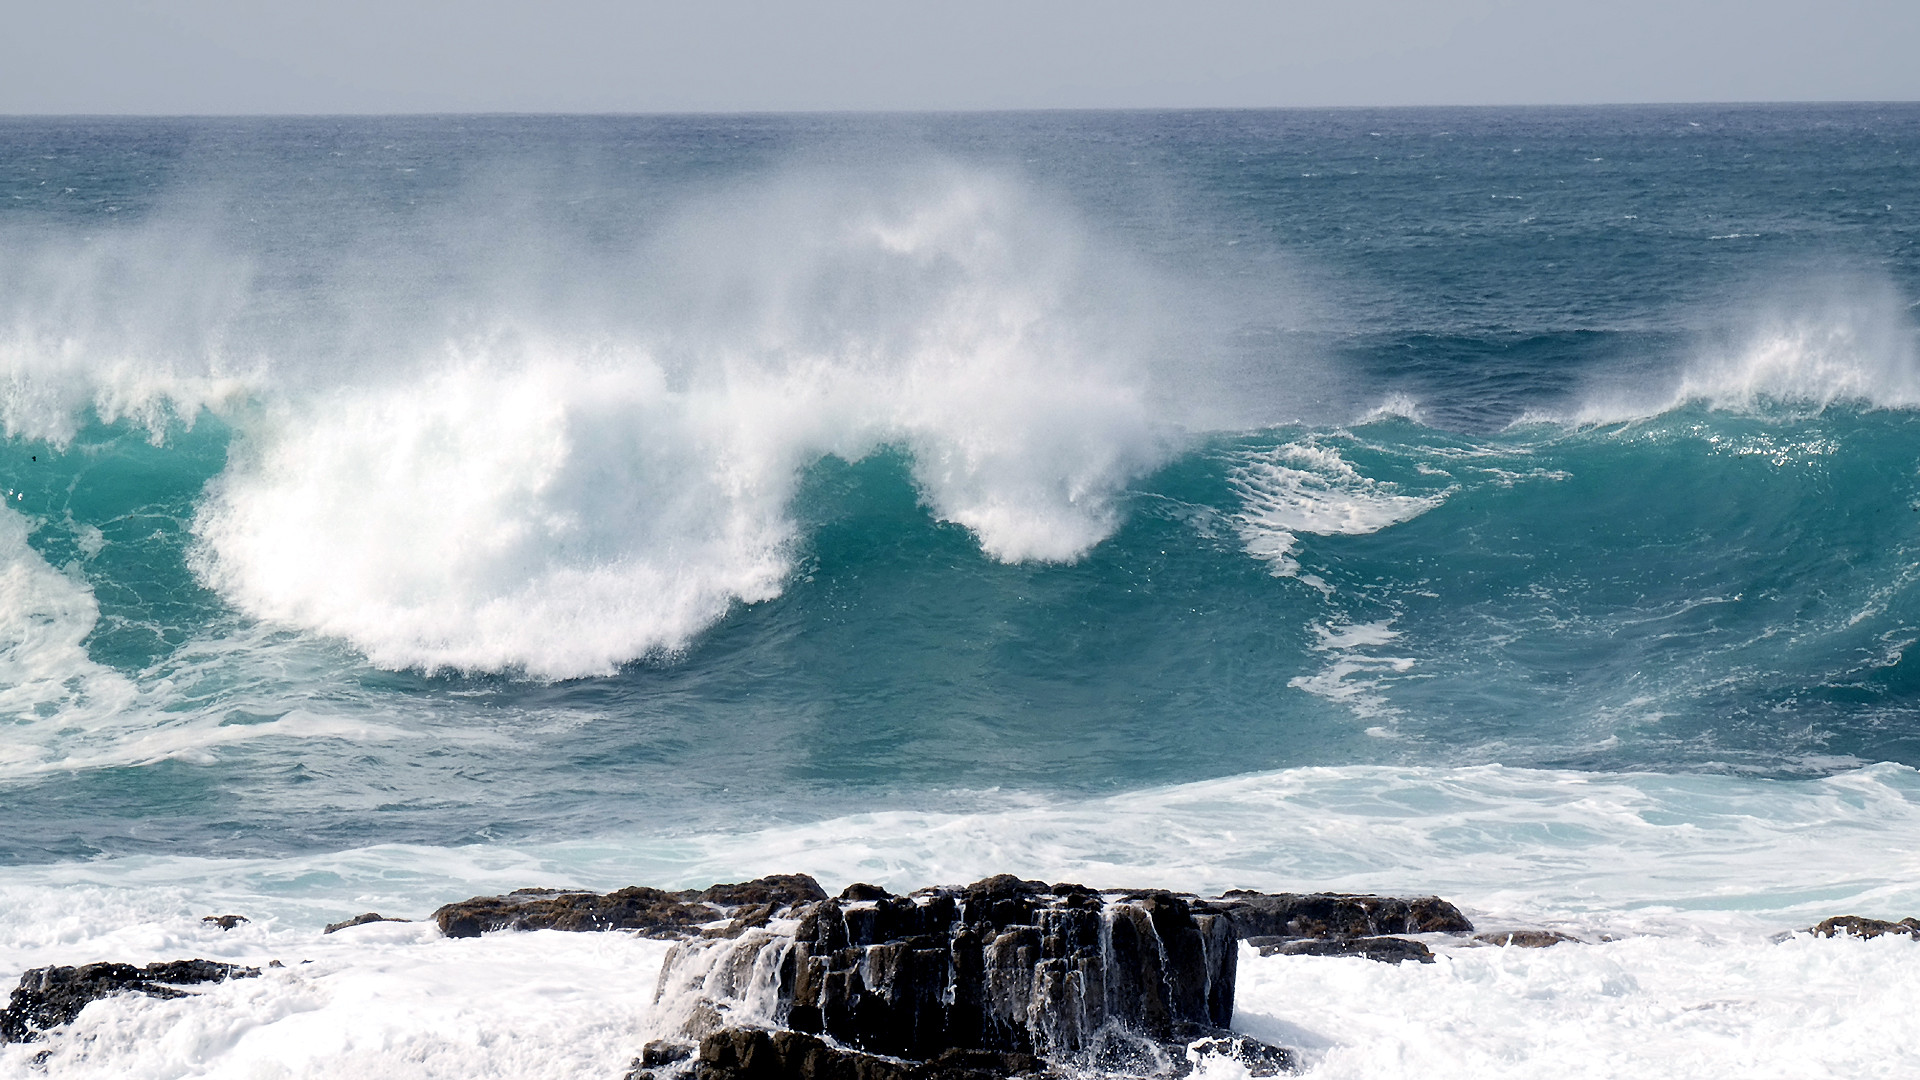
point(1515, 504)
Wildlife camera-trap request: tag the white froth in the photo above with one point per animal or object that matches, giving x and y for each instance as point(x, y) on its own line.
point(1307, 487)
point(1683, 1006)
point(1692, 878)
point(554, 516)
point(383, 1000)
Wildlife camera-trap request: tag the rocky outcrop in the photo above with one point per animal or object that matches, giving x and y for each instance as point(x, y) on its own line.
point(226, 922)
point(1009, 965)
point(985, 976)
point(1001, 978)
point(51, 996)
point(1856, 926)
point(651, 912)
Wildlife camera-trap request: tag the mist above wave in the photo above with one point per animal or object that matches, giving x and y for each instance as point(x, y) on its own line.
point(510, 481)
point(1846, 341)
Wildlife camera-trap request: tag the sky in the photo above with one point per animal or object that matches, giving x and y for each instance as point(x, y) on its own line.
point(409, 56)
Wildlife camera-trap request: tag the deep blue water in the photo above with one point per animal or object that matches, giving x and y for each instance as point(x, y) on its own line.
point(443, 479)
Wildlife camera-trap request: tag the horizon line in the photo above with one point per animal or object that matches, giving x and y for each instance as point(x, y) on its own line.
point(1006, 110)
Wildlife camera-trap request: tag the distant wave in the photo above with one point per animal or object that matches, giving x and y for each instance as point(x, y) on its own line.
point(1857, 347)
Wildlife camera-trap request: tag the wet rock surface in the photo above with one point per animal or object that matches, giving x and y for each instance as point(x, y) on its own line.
point(51, 996)
point(651, 912)
point(226, 922)
point(1008, 965)
point(1003, 977)
point(1390, 950)
point(1857, 926)
point(1335, 915)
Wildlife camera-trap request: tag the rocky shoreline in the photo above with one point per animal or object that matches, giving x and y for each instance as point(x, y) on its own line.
point(774, 978)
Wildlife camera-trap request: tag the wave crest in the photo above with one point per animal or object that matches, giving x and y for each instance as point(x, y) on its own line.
point(535, 501)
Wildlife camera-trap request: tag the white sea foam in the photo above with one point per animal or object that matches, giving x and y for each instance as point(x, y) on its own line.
point(1692, 876)
point(1681, 1006)
point(49, 686)
point(1307, 487)
point(1355, 676)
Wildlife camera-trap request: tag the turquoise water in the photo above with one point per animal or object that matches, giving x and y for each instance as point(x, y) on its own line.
point(467, 480)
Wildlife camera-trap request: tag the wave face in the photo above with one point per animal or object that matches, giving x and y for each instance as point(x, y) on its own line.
point(435, 481)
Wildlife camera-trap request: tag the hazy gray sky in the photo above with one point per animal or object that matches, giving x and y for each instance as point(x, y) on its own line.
point(251, 56)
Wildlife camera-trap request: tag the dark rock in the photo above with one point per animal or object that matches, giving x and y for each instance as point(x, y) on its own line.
point(51, 996)
point(653, 912)
point(860, 890)
point(1326, 915)
point(226, 922)
point(1525, 939)
point(360, 920)
point(1856, 926)
point(1002, 966)
point(1391, 950)
point(778, 890)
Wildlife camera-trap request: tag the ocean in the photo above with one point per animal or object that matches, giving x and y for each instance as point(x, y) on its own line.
point(1519, 505)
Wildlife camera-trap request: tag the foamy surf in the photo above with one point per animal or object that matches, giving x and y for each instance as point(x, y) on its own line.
point(1676, 886)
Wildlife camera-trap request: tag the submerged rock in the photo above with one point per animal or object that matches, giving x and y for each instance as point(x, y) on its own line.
point(226, 922)
point(51, 996)
point(652, 912)
point(360, 920)
point(1857, 926)
point(1526, 939)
